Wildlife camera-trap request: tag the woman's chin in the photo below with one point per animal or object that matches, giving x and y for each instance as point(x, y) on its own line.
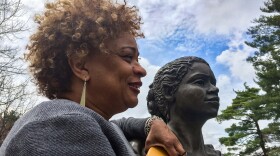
point(133, 103)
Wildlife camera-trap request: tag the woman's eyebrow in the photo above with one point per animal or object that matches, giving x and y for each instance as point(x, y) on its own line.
point(135, 50)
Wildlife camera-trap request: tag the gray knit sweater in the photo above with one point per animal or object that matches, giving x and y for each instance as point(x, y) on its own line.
point(64, 128)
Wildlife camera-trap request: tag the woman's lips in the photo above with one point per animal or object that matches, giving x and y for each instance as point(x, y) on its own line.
point(134, 86)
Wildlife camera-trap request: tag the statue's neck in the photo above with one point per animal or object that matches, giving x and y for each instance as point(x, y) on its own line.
point(190, 135)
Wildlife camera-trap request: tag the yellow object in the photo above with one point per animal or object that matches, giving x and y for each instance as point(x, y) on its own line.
point(157, 151)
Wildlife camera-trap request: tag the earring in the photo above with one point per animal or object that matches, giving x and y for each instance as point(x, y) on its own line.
point(83, 97)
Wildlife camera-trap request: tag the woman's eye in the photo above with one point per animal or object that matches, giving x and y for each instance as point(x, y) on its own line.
point(127, 58)
point(199, 82)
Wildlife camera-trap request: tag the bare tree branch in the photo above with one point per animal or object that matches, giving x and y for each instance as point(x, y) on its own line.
point(15, 94)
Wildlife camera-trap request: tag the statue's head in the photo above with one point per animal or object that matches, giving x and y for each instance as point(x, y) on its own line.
point(173, 85)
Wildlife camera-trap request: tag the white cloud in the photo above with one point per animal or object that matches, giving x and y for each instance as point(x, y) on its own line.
point(235, 59)
point(181, 47)
point(212, 131)
point(223, 16)
point(226, 93)
point(162, 18)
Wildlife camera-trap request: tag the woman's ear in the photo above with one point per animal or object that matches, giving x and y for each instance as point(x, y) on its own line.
point(78, 67)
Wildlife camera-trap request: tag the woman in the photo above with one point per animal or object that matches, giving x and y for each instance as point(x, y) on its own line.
point(84, 51)
point(185, 95)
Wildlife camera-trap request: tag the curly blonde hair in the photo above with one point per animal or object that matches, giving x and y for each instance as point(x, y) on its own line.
point(74, 28)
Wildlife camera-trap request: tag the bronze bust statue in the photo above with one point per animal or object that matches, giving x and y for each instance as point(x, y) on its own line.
point(185, 95)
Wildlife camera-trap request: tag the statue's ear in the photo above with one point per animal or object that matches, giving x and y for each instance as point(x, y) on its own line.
point(167, 92)
point(169, 98)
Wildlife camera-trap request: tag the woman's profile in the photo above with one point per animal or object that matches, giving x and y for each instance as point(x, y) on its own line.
point(185, 95)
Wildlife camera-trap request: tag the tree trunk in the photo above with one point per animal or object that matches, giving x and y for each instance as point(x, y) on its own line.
point(262, 142)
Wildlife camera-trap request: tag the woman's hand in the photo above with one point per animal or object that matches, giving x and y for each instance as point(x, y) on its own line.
point(161, 135)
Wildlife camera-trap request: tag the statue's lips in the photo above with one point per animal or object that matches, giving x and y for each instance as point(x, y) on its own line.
point(215, 101)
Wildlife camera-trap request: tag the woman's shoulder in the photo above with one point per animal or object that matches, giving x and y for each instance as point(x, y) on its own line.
point(56, 110)
point(55, 124)
point(59, 107)
point(53, 118)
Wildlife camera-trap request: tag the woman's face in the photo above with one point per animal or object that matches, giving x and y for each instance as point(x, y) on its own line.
point(115, 78)
point(197, 94)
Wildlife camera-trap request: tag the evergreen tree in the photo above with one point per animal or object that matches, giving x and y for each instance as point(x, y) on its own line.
point(246, 137)
point(266, 60)
point(249, 107)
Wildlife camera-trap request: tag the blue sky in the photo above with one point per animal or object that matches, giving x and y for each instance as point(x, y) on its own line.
point(211, 29)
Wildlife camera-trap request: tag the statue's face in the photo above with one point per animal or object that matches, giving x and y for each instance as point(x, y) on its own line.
point(197, 94)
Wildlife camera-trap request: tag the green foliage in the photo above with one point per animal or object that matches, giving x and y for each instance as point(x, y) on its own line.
point(249, 107)
point(229, 154)
point(272, 132)
point(266, 39)
point(275, 151)
point(7, 120)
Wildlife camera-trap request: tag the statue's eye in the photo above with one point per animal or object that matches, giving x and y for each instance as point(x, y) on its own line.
point(199, 82)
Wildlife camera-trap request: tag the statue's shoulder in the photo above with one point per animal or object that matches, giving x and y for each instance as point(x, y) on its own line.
point(210, 150)
point(138, 147)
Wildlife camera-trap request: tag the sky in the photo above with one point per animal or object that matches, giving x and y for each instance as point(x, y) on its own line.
point(211, 29)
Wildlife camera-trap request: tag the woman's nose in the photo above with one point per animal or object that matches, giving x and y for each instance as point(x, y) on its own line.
point(139, 70)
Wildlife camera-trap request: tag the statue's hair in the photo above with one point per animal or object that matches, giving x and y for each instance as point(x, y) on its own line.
point(74, 29)
point(166, 83)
